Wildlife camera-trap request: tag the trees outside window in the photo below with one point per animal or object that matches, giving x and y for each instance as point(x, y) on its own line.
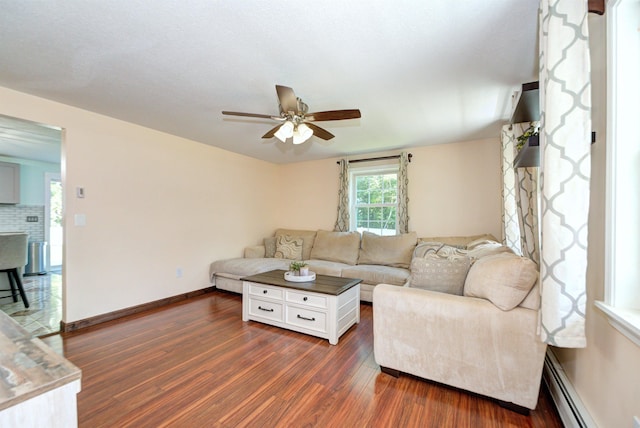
point(374, 196)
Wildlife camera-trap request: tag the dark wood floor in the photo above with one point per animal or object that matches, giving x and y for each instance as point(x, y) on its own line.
point(196, 364)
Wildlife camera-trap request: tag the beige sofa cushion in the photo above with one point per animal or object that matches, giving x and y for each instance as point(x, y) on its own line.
point(288, 247)
point(254, 252)
point(438, 273)
point(341, 247)
point(504, 279)
point(324, 267)
point(393, 251)
point(307, 236)
point(244, 267)
point(270, 246)
point(377, 274)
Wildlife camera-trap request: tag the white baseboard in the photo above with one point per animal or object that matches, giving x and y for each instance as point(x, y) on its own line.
point(572, 411)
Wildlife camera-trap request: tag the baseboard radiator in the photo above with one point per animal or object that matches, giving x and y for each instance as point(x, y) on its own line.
point(571, 410)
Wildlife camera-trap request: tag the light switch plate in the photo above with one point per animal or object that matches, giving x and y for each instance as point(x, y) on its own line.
point(79, 219)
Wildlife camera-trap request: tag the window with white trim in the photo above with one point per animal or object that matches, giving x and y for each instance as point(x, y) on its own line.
point(622, 263)
point(374, 199)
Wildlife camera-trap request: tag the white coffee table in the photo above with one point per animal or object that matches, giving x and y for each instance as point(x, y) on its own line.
point(325, 307)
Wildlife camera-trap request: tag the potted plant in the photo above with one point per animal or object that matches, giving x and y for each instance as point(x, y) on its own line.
point(532, 131)
point(300, 268)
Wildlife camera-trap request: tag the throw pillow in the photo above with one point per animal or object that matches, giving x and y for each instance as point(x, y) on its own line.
point(270, 247)
point(439, 248)
point(505, 279)
point(457, 241)
point(307, 236)
point(437, 273)
point(288, 247)
point(339, 247)
point(487, 248)
point(393, 251)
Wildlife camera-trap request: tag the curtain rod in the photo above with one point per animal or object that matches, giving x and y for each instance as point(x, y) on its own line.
point(376, 159)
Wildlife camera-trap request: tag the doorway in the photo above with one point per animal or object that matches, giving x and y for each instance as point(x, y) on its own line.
point(37, 148)
point(53, 221)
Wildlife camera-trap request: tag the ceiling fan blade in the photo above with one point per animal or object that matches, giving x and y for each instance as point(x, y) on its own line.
point(272, 132)
point(333, 115)
point(237, 113)
point(287, 98)
point(319, 132)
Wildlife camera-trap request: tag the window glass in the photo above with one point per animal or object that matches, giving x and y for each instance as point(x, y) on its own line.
point(622, 270)
point(374, 200)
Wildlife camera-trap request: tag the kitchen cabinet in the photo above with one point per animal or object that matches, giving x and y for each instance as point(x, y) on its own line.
point(9, 183)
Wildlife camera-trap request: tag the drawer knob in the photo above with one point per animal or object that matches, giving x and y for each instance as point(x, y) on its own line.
point(266, 309)
point(264, 291)
point(305, 298)
point(306, 319)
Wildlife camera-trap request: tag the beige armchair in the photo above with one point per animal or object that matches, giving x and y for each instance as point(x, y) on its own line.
point(13, 256)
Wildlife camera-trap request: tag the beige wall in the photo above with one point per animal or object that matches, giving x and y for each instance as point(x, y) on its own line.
point(154, 203)
point(605, 374)
point(454, 189)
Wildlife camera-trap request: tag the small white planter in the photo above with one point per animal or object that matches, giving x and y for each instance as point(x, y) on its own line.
point(291, 276)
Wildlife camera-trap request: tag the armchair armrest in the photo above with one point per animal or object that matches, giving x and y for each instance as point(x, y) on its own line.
point(460, 341)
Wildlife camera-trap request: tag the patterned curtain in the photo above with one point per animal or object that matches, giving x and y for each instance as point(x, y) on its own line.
point(342, 222)
point(565, 151)
point(520, 199)
point(403, 195)
point(510, 224)
point(528, 212)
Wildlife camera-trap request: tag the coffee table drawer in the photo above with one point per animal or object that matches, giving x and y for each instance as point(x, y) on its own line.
point(263, 291)
point(264, 309)
point(307, 319)
point(307, 299)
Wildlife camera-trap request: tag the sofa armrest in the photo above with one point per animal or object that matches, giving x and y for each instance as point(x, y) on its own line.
point(460, 341)
point(254, 252)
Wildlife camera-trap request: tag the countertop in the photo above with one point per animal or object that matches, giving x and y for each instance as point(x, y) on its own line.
point(28, 367)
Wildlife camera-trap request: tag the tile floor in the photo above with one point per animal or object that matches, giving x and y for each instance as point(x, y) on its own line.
point(44, 313)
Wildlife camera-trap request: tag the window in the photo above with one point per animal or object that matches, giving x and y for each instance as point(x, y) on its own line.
point(374, 200)
point(622, 270)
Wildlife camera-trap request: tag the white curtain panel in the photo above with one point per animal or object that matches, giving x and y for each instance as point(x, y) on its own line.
point(519, 198)
point(342, 222)
point(510, 224)
point(565, 144)
point(527, 198)
point(403, 194)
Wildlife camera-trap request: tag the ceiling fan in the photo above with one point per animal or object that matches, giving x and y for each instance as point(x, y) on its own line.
point(296, 120)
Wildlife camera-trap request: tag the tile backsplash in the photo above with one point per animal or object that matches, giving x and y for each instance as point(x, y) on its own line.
point(13, 218)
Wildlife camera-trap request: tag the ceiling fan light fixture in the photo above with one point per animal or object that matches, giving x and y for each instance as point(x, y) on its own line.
point(302, 134)
point(293, 112)
point(285, 131)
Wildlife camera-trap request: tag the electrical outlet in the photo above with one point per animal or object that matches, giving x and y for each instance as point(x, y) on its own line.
point(636, 422)
point(32, 219)
point(179, 273)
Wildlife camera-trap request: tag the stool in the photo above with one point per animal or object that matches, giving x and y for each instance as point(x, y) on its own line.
point(13, 256)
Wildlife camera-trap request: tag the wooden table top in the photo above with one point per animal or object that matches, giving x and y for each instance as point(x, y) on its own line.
point(28, 367)
point(324, 284)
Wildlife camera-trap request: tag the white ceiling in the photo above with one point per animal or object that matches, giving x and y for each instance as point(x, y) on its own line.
point(421, 72)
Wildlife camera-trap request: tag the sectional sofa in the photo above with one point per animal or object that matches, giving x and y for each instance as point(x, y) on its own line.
point(456, 310)
point(374, 259)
